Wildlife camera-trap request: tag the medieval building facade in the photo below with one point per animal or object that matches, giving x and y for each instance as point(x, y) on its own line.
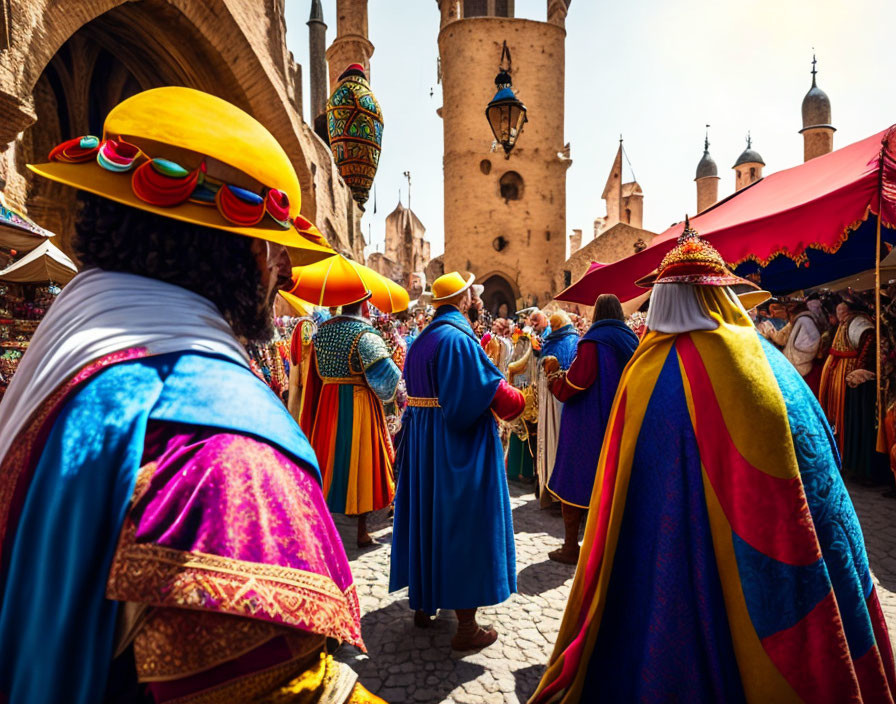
point(64, 65)
point(407, 251)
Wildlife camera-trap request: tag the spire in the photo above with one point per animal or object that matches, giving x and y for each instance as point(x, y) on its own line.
point(707, 166)
point(317, 12)
point(816, 108)
point(749, 155)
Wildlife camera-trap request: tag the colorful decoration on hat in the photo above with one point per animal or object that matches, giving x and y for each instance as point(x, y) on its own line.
point(695, 261)
point(77, 150)
point(355, 129)
point(309, 230)
point(117, 155)
point(165, 183)
point(239, 206)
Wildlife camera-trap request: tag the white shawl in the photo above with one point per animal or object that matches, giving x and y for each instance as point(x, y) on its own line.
point(102, 312)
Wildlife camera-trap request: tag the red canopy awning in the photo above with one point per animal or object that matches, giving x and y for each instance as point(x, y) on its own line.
point(813, 205)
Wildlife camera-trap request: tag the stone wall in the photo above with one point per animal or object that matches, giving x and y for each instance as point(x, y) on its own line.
point(611, 245)
point(69, 61)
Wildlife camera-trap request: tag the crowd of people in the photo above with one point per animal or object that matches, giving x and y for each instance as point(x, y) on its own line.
point(166, 526)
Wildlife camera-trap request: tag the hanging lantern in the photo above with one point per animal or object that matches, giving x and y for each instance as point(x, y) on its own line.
point(355, 129)
point(506, 114)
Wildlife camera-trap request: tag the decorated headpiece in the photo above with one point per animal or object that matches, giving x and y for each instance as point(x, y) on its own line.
point(190, 156)
point(694, 261)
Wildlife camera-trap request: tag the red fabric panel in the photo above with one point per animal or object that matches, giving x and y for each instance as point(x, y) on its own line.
point(747, 494)
point(811, 203)
point(508, 402)
point(814, 658)
point(882, 636)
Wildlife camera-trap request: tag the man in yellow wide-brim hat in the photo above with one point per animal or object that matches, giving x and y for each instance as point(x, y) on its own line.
point(452, 506)
point(163, 534)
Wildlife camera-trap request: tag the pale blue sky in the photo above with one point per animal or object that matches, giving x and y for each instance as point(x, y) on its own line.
point(654, 70)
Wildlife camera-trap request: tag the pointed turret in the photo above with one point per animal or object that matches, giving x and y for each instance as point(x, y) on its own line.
point(707, 178)
point(817, 131)
point(748, 167)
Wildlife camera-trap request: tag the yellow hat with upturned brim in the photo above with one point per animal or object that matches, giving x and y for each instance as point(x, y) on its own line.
point(198, 134)
point(450, 285)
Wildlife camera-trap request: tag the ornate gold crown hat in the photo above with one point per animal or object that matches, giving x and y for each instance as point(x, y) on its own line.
point(694, 261)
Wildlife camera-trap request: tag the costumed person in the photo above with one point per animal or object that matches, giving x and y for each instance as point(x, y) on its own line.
point(849, 394)
point(452, 540)
point(163, 534)
point(498, 344)
point(587, 391)
point(799, 340)
point(350, 376)
point(851, 348)
point(522, 372)
point(559, 345)
point(720, 564)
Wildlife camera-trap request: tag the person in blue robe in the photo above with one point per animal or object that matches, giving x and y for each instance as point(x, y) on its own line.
point(587, 390)
point(452, 506)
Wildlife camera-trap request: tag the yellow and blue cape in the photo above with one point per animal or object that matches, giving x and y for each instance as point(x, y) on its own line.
point(722, 559)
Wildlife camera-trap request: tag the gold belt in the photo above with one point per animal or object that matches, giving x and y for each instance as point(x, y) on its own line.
point(354, 380)
point(419, 402)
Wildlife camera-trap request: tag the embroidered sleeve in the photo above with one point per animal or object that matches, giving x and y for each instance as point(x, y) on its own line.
point(383, 377)
point(371, 349)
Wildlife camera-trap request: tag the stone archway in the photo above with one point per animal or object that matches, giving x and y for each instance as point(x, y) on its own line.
point(499, 294)
point(128, 49)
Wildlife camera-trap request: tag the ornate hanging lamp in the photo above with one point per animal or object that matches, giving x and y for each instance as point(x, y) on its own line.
point(506, 114)
point(355, 129)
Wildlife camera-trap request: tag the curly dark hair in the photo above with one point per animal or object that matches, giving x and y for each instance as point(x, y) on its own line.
point(218, 265)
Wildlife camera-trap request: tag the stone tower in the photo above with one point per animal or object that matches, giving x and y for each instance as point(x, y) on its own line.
point(707, 179)
point(317, 59)
point(818, 132)
point(351, 45)
point(505, 219)
point(748, 167)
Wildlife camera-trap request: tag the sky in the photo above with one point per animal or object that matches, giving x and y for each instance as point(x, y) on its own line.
point(654, 71)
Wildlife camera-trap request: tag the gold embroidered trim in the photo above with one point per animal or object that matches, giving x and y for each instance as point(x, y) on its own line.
point(249, 688)
point(158, 576)
point(353, 380)
point(419, 402)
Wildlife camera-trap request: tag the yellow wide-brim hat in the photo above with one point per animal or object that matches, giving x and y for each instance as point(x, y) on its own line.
point(450, 285)
point(191, 130)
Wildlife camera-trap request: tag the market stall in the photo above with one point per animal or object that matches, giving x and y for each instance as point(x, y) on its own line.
point(28, 285)
point(792, 230)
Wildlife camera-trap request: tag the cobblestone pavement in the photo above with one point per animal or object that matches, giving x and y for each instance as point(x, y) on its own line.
point(407, 664)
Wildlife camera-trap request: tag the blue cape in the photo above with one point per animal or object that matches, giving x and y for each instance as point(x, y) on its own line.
point(57, 629)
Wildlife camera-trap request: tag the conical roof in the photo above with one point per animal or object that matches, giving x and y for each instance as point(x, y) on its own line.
point(707, 166)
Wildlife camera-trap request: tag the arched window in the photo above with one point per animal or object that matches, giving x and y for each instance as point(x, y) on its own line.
point(511, 186)
point(752, 173)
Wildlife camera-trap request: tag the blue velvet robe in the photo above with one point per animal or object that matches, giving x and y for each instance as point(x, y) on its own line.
point(452, 541)
point(585, 415)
